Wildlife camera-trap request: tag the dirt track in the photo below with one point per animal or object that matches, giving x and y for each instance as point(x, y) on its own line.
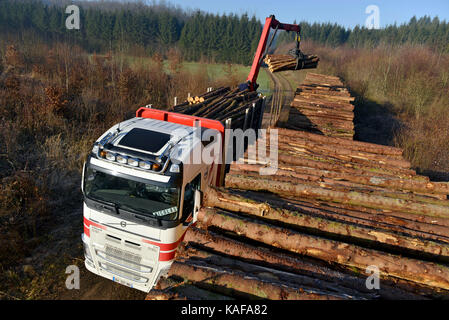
point(281, 99)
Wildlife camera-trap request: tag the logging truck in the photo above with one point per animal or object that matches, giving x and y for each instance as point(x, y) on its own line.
point(141, 191)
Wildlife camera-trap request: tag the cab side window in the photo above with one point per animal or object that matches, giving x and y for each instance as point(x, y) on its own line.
point(189, 196)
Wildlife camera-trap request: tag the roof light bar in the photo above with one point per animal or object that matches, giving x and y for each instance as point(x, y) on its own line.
point(135, 162)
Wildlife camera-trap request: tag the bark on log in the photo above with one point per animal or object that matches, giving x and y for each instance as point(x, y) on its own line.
point(234, 203)
point(340, 166)
point(422, 272)
point(225, 282)
point(282, 261)
point(286, 62)
point(338, 151)
point(372, 180)
point(199, 256)
point(291, 135)
point(414, 225)
point(355, 198)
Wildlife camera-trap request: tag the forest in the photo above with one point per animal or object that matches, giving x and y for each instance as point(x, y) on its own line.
point(146, 29)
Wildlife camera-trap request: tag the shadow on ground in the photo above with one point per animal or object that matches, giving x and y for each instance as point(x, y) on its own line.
point(374, 122)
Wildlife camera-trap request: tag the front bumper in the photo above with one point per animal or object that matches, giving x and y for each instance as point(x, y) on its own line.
point(119, 266)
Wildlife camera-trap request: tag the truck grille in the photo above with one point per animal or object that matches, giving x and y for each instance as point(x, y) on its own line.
point(116, 253)
point(123, 258)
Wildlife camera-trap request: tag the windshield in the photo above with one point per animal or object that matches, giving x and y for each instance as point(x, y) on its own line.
point(144, 198)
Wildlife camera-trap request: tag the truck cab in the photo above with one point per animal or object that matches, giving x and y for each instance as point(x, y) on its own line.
point(142, 190)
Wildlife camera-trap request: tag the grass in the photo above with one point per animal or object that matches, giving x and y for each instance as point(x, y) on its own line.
point(217, 70)
point(213, 71)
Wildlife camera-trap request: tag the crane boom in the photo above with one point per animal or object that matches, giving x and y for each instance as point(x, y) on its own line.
point(270, 22)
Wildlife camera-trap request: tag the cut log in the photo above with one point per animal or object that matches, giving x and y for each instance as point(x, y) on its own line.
point(225, 281)
point(422, 272)
point(291, 135)
point(357, 198)
point(371, 180)
point(199, 256)
point(286, 62)
point(234, 203)
point(265, 257)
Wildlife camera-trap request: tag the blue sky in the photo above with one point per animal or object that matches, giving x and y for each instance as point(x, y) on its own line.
point(348, 13)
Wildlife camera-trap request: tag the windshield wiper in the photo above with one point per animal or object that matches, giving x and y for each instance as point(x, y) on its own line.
point(141, 214)
point(127, 207)
point(108, 203)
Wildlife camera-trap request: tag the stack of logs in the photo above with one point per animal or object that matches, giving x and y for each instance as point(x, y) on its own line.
point(322, 105)
point(332, 209)
point(332, 212)
point(244, 108)
point(281, 62)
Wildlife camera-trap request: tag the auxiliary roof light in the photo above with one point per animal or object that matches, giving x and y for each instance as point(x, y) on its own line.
point(122, 159)
point(111, 156)
point(145, 164)
point(133, 162)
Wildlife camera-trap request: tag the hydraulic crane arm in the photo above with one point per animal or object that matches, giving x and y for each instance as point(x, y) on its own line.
point(270, 22)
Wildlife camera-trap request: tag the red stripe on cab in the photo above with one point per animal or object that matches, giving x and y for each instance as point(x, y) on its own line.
point(86, 231)
point(88, 223)
point(166, 246)
point(167, 256)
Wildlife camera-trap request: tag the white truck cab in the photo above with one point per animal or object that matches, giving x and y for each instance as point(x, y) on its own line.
point(141, 192)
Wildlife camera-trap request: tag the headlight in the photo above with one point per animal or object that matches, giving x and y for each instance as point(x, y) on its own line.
point(95, 149)
point(175, 168)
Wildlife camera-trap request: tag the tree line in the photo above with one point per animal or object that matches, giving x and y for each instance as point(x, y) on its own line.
point(112, 25)
point(425, 30)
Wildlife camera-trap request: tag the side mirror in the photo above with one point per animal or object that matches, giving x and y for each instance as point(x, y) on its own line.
point(82, 178)
point(197, 206)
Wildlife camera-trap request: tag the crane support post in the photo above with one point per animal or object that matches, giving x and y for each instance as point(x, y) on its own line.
point(270, 22)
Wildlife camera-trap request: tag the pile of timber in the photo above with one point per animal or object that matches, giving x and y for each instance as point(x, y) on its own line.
point(332, 209)
point(332, 212)
point(281, 62)
point(244, 108)
point(323, 105)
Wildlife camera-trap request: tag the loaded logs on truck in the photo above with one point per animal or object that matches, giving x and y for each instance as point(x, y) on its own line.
point(244, 108)
point(282, 62)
